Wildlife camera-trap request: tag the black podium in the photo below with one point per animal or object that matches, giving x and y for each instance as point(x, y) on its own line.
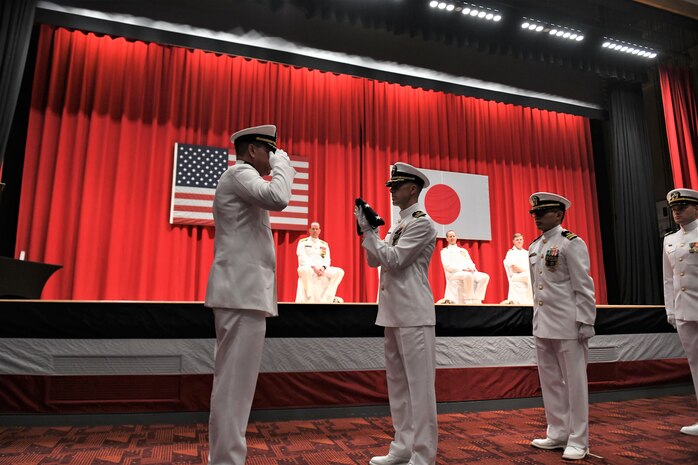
point(23, 279)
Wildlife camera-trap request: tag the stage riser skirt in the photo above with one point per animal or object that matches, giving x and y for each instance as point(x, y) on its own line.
point(90, 357)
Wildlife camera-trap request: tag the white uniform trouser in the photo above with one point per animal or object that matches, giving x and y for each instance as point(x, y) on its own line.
point(332, 277)
point(410, 365)
point(239, 344)
point(520, 288)
point(474, 285)
point(562, 368)
point(688, 333)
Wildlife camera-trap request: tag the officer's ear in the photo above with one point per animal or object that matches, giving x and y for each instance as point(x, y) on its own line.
point(250, 150)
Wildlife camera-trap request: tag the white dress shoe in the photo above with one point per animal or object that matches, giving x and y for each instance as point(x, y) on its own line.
point(548, 444)
point(690, 430)
point(389, 459)
point(575, 453)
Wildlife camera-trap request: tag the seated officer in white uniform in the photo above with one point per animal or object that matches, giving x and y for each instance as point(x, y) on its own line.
point(458, 266)
point(516, 264)
point(680, 256)
point(317, 280)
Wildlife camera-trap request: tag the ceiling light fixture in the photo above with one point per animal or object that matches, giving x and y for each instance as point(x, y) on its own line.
point(468, 9)
point(628, 48)
point(553, 30)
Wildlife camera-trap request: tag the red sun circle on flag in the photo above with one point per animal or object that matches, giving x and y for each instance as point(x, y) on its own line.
point(442, 204)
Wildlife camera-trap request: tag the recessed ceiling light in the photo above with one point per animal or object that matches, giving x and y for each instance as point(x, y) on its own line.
point(628, 48)
point(467, 9)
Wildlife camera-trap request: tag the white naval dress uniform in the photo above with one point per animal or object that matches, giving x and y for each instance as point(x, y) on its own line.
point(406, 310)
point(242, 293)
point(563, 297)
point(519, 282)
point(316, 252)
point(681, 289)
point(474, 283)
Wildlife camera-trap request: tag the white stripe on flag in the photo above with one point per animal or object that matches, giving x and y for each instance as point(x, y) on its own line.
point(288, 220)
point(195, 190)
point(290, 209)
point(193, 202)
point(197, 215)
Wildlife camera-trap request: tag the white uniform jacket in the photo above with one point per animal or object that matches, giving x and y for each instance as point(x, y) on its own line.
point(243, 273)
point(405, 297)
point(456, 259)
point(563, 291)
point(313, 252)
point(518, 257)
point(681, 272)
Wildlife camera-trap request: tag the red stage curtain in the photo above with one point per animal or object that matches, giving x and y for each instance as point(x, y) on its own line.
point(681, 121)
point(106, 113)
point(522, 150)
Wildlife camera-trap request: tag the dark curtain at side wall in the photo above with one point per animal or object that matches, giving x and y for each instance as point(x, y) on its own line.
point(638, 245)
point(16, 20)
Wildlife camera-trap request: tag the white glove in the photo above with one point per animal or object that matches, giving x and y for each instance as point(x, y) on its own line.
point(361, 219)
point(671, 319)
point(279, 156)
point(585, 332)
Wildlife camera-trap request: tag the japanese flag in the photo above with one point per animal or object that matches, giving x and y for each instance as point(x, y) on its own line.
point(456, 201)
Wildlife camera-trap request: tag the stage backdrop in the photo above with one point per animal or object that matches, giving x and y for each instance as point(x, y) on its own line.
point(106, 112)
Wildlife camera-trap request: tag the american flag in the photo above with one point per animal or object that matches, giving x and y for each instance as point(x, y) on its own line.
point(197, 169)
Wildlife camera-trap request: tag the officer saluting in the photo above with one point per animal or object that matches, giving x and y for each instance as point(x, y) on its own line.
point(242, 282)
point(406, 311)
point(564, 312)
point(680, 256)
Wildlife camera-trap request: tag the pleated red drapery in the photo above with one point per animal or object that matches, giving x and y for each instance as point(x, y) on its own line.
point(106, 112)
point(522, 150)
point(681, 122)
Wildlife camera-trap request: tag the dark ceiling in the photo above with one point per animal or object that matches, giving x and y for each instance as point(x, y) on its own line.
point(670, 34)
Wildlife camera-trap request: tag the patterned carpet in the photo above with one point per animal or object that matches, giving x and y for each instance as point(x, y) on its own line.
point(643, 431)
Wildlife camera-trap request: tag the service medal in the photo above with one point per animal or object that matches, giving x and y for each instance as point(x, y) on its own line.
point(693, 247)
point(551, 258)
point(396, 236)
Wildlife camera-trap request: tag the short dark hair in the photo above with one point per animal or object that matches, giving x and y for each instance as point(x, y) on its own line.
point(241, 145)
